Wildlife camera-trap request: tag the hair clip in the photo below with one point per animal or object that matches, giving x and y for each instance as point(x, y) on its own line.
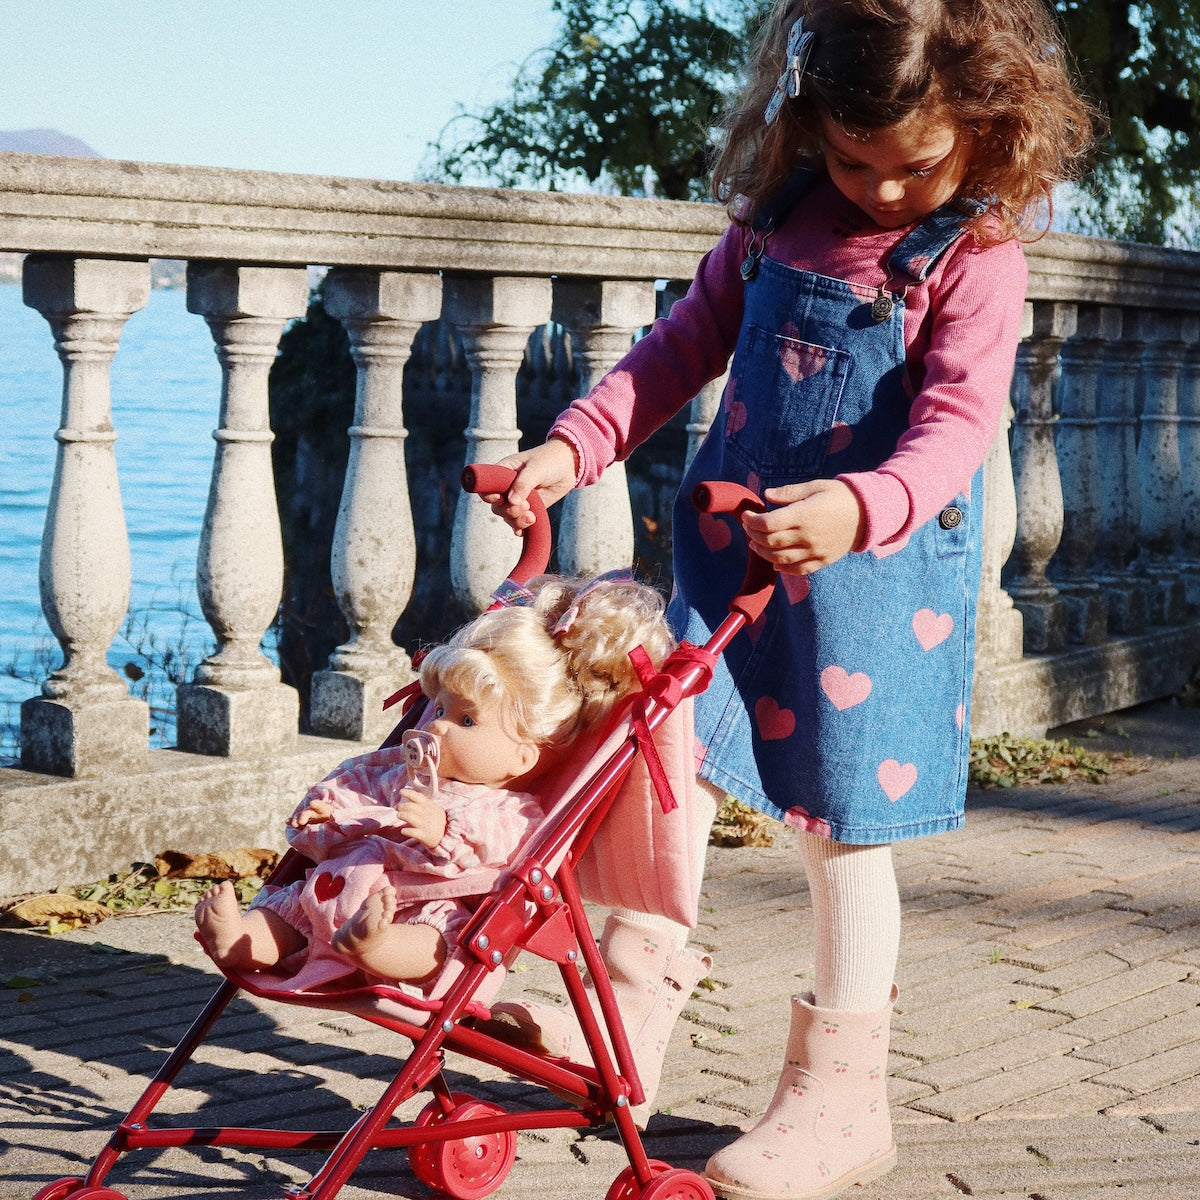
point(511, 594)
point(567, 620)
point(799, 47)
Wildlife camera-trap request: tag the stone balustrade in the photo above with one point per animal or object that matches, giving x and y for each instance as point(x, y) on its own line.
point(1091, 572)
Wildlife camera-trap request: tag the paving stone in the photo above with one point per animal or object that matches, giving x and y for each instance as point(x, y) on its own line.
point(1133, 1013)
point(1157, 1071)
point(946, 1073)
point(972, 1100)
point(1076, 972)
point(1147, 1041)
point(1106, 993)
point(1075, 1100)
point(1053, 933)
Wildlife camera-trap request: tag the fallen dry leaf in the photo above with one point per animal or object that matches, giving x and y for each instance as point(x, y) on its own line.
point(55, 906)
point(217, 864)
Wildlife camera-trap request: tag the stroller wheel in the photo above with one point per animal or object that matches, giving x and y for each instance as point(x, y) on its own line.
point(60, 1189)
point(678, 1184)
point(466, 1168)
point(668, 1183)
point(626, 1186)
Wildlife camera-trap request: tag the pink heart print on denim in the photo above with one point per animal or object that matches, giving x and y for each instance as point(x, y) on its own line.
point(846, 709)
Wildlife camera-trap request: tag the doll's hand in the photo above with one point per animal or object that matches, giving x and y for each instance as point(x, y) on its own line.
point(549, 468)
point(818, 523)
point(315, 812)
point(421, 817)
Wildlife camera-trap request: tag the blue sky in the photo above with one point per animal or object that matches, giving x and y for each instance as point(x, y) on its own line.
point(340, 87)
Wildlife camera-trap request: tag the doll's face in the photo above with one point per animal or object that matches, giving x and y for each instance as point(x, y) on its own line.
point(476, 742)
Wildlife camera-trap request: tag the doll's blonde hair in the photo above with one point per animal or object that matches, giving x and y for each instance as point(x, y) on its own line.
point(553, 683)
point(997, 68)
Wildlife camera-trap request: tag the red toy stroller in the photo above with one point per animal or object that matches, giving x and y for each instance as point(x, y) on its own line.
point(460, 1146)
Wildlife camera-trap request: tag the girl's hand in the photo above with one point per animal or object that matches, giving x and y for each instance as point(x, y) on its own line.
point(316, 812)
point(819, 522)
point(421, 818)
point(549, 468)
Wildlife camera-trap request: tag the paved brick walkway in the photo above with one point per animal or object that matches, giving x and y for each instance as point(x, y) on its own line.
point(1046, 1043)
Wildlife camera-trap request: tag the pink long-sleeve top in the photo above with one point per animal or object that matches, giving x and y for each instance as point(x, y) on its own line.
point(961, 329)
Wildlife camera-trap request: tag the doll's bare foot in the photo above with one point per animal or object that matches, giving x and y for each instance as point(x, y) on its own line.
point(361, 937)
point(371, 941)
point(219, 923)
point(238, 941)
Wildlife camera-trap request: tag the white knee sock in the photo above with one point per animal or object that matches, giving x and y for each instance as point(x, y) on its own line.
point(674, 934)
point(856, 913)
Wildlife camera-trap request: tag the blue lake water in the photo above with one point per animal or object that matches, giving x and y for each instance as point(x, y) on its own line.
point(165, 397)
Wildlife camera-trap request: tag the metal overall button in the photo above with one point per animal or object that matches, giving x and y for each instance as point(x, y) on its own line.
point(950, 518)
point(882, 307)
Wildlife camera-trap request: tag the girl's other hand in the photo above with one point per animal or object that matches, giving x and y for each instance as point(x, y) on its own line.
point(818, 523)
point(549, 468)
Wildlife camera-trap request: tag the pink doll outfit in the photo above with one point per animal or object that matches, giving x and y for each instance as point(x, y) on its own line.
point(360, 849)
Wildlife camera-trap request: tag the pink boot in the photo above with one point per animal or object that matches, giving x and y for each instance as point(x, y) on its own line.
point(651, 985)
point(828, 1125)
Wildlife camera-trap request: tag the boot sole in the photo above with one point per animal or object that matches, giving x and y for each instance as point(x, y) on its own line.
point(864, 1174)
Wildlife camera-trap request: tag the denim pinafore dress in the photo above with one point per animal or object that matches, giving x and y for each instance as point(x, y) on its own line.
point(845, 709)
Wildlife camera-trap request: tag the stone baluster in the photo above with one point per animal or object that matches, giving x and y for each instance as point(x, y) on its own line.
point(1189, 460)
point(1120, 503)
point(1035, 470)
point(85, 723)
point(706, 404)
point(495, 317)
point(702, 413)
point(1158, 464)
point(601, 316)
point(999, 629)
point(1078, 465)
point(236, 705)
point(374, 549)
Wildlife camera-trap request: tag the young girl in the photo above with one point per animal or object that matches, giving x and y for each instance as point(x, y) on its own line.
point(402, 835)
point(879, 168)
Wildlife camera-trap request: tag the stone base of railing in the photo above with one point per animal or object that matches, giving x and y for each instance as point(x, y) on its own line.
point(83, 740)
point(67, 831)
point(1043, 691)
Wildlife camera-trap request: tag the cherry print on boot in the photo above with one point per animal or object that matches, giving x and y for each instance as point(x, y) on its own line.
point(827, 1126)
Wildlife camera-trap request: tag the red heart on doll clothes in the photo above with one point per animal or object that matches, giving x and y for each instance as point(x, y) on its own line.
point(328, 887)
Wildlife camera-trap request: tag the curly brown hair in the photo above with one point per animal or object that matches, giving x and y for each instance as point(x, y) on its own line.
point(995, 68)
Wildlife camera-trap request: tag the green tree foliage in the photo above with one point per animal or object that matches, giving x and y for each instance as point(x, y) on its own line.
point(1141, 64)
point(622, 99)
point(626, 94)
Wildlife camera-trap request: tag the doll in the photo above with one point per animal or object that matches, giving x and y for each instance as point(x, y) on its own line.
point(404, 836)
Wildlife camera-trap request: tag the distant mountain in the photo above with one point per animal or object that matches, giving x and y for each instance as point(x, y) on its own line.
point(165, 272)
point(45, 141)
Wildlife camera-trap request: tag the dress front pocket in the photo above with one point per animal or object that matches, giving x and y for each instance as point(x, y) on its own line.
point(780, 408)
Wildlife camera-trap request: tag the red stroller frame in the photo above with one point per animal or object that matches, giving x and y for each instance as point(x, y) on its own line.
point(458, 1145)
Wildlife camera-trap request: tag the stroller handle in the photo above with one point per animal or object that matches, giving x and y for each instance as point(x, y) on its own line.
point(720, 496)
point(535, 550)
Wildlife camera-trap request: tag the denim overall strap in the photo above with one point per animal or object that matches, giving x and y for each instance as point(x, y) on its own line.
point(844, 710)
point(920, 251)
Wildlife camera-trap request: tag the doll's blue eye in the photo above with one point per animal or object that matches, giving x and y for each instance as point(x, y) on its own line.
point(468, 721)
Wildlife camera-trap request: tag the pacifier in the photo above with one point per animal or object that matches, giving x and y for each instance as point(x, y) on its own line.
point(421, 758)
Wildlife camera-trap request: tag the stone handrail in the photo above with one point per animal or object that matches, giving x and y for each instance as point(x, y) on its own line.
point(1092, 533)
